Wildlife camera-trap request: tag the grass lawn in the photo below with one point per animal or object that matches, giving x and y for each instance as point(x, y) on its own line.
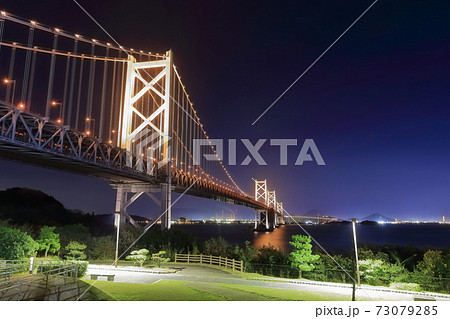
point(191, 291)
point(160, 291)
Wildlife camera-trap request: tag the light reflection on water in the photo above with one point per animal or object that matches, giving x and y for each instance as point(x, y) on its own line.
point(279, 238)
point(332, 237)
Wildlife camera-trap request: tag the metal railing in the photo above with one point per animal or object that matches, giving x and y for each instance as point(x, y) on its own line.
point(33, 280)
point(211, 260)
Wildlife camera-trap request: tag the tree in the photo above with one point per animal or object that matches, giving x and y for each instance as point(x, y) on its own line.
point(48, 240)
point(432, 264)
point(102, 248)
point(75, 251)
point(15, 244)
point(217, 247)
point(302, 257)
point(138, 256)
point(158, 258)
point(381, 272)
point(246, 254)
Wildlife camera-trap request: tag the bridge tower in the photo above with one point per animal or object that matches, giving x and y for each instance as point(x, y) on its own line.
point(145, 133)
point(262, 216)
point(272, 203)
point(280, 210)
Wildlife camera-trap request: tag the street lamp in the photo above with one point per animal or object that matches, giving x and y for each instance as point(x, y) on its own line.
point(89, 120)
point(8, 82)
point(356, 258)
point(117, 224)
point(55, 104)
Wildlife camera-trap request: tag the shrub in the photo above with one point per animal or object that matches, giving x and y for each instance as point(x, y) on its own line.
point(56, 267)
point(138, 256)
point(82, 267)
point(158, 258)
point(75, 251)
point(217, 247)
point(379, 272)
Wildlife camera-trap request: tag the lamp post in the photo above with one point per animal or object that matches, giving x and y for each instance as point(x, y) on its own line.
point(356, 267)
point(55, 104)
point(8, 82)
point(88, 132)
point(117, 224)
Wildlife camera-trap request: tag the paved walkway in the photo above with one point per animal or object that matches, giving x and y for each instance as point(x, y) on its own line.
point(201, 275)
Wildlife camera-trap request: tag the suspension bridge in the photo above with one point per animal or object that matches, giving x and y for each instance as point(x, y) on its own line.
point(78, 104)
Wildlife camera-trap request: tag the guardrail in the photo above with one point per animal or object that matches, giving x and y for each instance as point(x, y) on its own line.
point(211, 260)
point(35, 280)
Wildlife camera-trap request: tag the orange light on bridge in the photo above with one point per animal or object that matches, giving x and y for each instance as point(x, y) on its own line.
point(88, 132)
point(21, 105)
point(59, 121)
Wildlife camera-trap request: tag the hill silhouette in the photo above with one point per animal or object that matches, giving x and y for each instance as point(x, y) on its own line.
point(27, 206)
point(377, 218)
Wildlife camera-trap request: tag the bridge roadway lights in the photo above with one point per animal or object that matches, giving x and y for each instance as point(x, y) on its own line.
point(124, 200)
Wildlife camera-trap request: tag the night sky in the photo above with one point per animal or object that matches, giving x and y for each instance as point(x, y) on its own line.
point(376, 105)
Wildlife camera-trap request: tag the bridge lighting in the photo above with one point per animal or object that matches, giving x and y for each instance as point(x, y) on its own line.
point(78, 36)
point(55, 104)
point(33, 22)
point(94, 40)
point(21, 105)
point(8, 82)
point(108, 44)
point(57, 30)
point(90, 119)
point(88, 132)
point(3, 13)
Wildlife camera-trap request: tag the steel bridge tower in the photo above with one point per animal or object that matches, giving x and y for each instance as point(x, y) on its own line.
point(147, 135)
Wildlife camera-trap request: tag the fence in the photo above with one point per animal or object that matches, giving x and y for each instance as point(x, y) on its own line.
point(38, 280)
point(211, 260)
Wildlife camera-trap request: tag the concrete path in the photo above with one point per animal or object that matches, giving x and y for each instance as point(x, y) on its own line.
point(202, 275)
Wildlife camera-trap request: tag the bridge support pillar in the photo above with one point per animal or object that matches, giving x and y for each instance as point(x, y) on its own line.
point(128, 193)
point(122, 203)
point(166, 205)
point(263, 220)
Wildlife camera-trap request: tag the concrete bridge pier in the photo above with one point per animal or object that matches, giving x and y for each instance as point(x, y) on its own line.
point(264, 220)
point(166, 205)
point(279, 219)
point(128, 193)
